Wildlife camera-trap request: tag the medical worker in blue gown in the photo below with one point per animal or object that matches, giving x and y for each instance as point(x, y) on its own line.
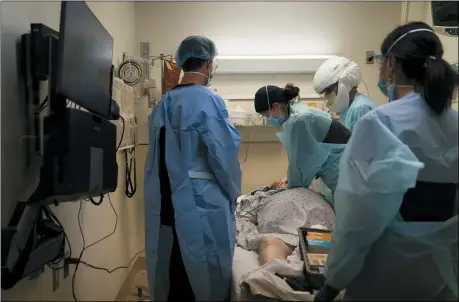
point(192, 179)
point(396, 230)
point(313, 141)
point(336, 80)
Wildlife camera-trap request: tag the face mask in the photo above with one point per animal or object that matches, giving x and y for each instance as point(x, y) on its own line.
point(331, 98)
point(274, 121)
point(210, 76)
point(390, 90)
point(382, 86)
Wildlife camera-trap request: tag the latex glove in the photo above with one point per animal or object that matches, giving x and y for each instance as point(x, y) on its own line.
point(326, 293)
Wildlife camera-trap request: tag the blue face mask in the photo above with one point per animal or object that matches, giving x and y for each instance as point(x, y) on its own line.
point(382, 86)
point(276, 121)
point(387, 90)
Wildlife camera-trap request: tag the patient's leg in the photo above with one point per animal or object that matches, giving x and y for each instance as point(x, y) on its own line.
point(272, 248)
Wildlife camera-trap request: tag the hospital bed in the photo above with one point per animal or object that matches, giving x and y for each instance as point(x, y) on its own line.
point(245, 262)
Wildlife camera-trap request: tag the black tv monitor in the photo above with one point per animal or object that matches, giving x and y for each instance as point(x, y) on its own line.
point(445, 13)
point(84, 69)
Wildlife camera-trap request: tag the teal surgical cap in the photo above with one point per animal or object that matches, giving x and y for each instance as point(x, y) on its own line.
point(197, 47)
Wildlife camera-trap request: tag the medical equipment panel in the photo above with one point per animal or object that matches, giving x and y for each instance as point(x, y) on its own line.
point(314, 247)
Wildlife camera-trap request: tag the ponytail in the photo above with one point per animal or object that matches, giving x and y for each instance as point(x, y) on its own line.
point(419, 51)
point(440, 84)
point(290, 92)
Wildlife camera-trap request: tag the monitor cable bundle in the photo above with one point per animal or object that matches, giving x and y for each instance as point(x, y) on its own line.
point(69, 260)
point(131, 181)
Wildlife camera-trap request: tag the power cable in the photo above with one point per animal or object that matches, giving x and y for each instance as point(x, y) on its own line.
point(52, 217)
point(77, 261)
point(122, 133)
point(97, 203)
point(115, 269)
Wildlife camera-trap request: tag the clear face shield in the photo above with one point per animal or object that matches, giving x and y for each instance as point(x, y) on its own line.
point(329, 94)
point(214, 67)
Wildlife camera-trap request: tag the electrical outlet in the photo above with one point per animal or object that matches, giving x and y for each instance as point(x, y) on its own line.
point(151, 102)
point(370, 59)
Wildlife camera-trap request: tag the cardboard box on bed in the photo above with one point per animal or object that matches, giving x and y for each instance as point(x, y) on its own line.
point(314, 247)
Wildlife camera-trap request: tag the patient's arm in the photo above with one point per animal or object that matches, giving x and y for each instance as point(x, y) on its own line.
point(272, 248)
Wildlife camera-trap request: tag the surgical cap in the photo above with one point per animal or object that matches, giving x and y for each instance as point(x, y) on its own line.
point(337, 69)
point(197, 47)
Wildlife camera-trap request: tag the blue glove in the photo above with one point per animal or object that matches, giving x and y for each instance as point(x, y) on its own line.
point(326, 293)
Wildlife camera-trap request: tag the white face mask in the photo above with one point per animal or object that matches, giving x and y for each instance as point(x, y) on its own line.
point(331, 98)
point(211, 74)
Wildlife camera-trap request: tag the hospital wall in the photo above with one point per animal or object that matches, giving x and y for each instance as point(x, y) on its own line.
point(96, 221)
point(267, 28)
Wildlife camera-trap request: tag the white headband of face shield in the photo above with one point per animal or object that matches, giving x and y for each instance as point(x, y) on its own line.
point(405, 34)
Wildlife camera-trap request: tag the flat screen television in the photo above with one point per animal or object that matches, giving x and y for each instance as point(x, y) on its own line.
point(85, 71)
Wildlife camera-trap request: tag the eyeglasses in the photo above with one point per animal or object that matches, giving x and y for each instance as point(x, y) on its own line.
point(380, 58)
point(328, 90)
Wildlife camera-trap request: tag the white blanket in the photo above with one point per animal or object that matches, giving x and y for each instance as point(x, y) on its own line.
point(263, 280)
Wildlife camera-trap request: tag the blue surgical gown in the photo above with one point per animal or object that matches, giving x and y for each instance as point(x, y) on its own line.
point(205, 179)
point(375, 254)
point(308, 157)
point(358, 108)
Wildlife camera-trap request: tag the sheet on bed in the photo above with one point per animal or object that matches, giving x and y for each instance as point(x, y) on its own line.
point(252, 281)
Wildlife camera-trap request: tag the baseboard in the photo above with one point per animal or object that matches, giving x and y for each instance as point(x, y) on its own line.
point(126, 288)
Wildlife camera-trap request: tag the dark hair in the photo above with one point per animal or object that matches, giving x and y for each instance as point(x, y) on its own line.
point(291, 92)
point(420, 57)
point(276, 95)
point(193, 64)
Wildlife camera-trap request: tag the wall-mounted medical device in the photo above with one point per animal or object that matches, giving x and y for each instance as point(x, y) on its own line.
point(74, 151)
point(445, 17)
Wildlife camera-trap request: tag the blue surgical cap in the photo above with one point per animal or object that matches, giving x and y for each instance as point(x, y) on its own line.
point(197, 47)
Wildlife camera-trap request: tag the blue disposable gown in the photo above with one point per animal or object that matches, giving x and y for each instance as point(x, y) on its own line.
point(205, 176)
point(308, 157)
point(375, 254)
point(358, 108)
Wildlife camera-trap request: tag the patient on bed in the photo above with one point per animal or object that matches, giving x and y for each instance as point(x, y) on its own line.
point(270, 225)
point(279, 185)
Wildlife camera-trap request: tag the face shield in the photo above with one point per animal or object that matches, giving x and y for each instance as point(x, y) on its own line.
point(214, 68)
point(334, 80)
point(329, 94)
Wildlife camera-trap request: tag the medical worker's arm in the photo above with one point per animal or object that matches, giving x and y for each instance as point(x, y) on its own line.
point(222, 141)
point(305, 155)
point(355, 115)
point(376, 170)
